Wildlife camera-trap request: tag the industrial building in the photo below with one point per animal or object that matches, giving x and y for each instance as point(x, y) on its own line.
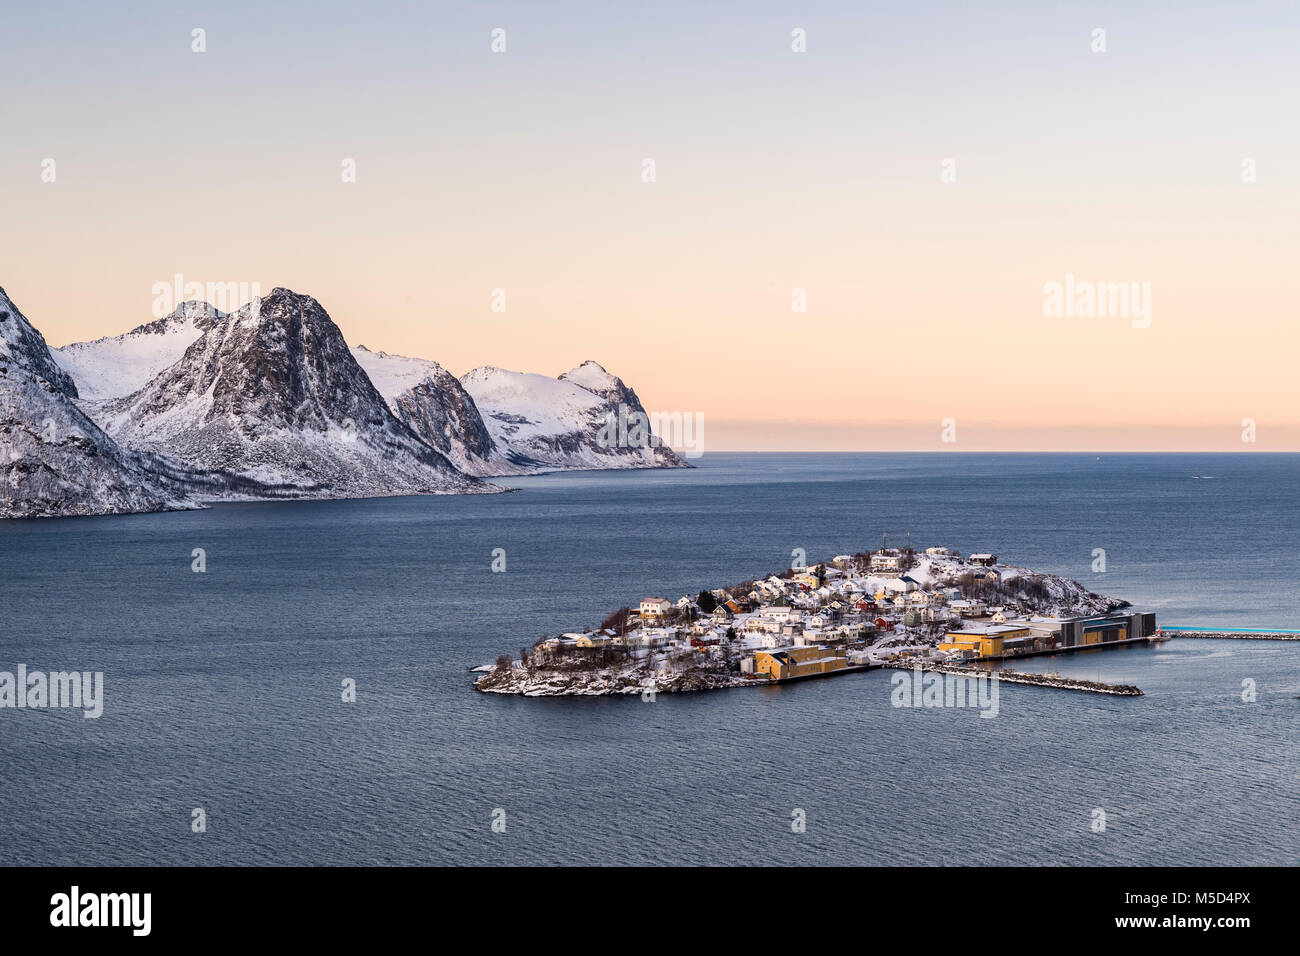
point(985, 640)
point(1041, 635)
point(798, 662)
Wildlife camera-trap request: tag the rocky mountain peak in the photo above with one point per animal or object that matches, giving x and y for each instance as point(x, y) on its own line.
point(21, 346)
point(191, 314)
point(594, 378)
point(275, 392)
point(53, 459)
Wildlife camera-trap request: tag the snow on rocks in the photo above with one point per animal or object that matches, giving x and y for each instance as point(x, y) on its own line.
point(54, 461)
point(275, 394)
point(544, 424)
point(111, 367)
point(269, 402)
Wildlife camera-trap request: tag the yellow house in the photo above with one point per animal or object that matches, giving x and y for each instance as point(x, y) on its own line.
point(986, 641)
point(785, 662)
point(959, 642)
point(590, 640)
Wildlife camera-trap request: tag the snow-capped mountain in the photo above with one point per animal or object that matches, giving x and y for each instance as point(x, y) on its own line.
point(433, 403)
point(593, 377)
point(493, 422)
point(273, 392)
point(271, 402)
point(113, 367)
point(53, 459)
point(540, 423)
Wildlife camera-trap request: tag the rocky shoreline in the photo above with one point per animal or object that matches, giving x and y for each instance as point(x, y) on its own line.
point(584, 683)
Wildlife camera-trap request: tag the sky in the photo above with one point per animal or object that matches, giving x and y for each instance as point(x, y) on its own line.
point(916, 179)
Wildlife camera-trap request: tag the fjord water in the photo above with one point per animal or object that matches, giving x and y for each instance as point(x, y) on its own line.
point(222, 689)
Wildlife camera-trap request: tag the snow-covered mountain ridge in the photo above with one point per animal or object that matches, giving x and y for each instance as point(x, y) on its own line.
point(111, 367)
point(270, 401)
point(53, 459)
point(273, 392)
point(547, 424)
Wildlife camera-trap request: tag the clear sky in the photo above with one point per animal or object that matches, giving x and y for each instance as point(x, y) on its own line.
point(775, 171)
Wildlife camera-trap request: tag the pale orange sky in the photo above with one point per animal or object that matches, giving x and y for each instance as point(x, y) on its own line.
point(775, 171)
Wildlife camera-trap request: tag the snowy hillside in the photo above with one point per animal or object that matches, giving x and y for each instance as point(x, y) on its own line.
point(53, 459)
point(1048, 594)
point(436, 407)
point(542, 424)
point(270, 401)
point(112, 367)
point(274, 393)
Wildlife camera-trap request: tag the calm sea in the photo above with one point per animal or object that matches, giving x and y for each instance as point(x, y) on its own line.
point(223, 688)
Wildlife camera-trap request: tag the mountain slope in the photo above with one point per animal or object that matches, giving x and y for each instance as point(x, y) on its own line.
point(542, 424)
point(115, 366)
point(274, 393)
point(433, 403)
point(53, 459)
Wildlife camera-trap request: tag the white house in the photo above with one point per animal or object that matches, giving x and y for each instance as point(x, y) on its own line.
point(968, 608)
point(883, 562)
point(657, 636)
point(654, 607)
point(779, 614)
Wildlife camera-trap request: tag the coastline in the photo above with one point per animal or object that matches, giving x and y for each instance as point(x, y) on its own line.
point(888, 608)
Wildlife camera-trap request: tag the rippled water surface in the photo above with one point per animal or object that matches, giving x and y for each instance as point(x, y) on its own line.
point(222, 689)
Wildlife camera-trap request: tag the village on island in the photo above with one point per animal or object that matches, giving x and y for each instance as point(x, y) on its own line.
point(893, 607)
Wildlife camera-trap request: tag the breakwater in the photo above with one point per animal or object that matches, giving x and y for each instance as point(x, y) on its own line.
point(1242, 635)
point(1019, 677)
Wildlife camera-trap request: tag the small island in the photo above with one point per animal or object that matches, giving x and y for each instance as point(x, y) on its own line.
point(888, 608)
